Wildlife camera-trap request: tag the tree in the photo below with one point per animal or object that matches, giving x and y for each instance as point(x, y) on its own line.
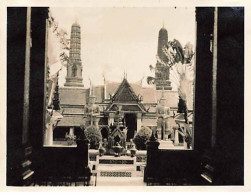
point(93, 135)
point(142, 137)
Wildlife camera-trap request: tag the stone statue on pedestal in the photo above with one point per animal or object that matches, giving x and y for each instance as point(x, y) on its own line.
point(163, 113)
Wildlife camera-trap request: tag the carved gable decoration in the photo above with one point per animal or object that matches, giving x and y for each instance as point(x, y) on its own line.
point(125, 93)
point(118, 132)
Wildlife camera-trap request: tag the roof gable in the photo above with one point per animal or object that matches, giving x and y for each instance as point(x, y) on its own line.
point(118, 132)
point(125, 93)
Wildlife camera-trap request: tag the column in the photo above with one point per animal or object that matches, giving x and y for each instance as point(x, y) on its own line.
point(49, 135)
point(71, 132)
point(139, 123)
point(176, 137)
point(111, 118)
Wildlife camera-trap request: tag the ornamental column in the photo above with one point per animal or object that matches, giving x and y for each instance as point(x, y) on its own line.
point(49, 135)
point(71, 132)
point(111, 118)
point(176, 136)
point(139, 123)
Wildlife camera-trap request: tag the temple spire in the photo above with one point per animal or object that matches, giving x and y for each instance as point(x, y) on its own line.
point(74, 66)
point(162, 73)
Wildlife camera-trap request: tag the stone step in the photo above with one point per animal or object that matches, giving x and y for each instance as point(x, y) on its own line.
point(120, 181)
point(116, 168)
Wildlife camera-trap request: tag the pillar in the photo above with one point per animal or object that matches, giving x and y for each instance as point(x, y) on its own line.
point(83, 170)
point(71, 132)
point(176, 136)
point(111, 118)
point(139, 123)
point(49, 135)
point(152, 154)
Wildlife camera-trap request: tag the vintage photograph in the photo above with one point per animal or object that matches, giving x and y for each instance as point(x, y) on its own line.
point(125, 96)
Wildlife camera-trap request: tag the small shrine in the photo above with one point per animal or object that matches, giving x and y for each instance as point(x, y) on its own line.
point(117, 131)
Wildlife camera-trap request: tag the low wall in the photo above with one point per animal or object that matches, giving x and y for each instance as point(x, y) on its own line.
point(140, 155)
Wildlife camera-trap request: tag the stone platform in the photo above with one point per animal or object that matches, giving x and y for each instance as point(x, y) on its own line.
point(112, 171)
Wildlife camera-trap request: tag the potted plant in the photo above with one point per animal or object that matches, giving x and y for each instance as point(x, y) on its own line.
point(94, 136)
point(133, 151)
point(70, 138)
point(101, 149)
point(142, 137)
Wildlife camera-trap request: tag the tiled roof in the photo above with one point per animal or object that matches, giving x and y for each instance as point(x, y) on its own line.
point(69, 110)
point(71, 121)
point(73, 95)
point(149, 122)
point(125, 93)
point(172, 97)
point(99, 93)
point(180, 117)
point(111, 88)
point(147, 93)
point(79, 96)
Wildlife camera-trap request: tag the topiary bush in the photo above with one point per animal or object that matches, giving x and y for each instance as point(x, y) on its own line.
point(142, 137)
point(94, 136)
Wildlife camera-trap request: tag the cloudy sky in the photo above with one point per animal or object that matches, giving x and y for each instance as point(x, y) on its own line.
point(118, 40)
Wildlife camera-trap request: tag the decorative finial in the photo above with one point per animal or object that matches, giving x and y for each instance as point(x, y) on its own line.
point(125, 74)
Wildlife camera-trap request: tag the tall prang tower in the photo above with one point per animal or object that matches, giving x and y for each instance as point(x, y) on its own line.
point(162, 72)
point(74, 66)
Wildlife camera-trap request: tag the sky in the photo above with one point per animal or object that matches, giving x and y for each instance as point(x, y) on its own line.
point(118, 40)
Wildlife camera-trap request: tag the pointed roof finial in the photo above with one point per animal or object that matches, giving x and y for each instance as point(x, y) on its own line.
point(76, 22)
point(163, 26)
point(125, 74)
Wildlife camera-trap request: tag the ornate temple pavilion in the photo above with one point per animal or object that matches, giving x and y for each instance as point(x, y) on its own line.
point(138, 104)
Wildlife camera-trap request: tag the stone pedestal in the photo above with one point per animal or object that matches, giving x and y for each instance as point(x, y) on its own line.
point(83, 170)
point(166, 144)
point(152, 155)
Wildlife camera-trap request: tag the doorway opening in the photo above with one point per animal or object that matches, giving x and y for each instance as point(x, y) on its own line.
point(131, 124)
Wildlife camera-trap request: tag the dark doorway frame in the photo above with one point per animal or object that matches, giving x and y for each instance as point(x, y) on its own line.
point(131, 124)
